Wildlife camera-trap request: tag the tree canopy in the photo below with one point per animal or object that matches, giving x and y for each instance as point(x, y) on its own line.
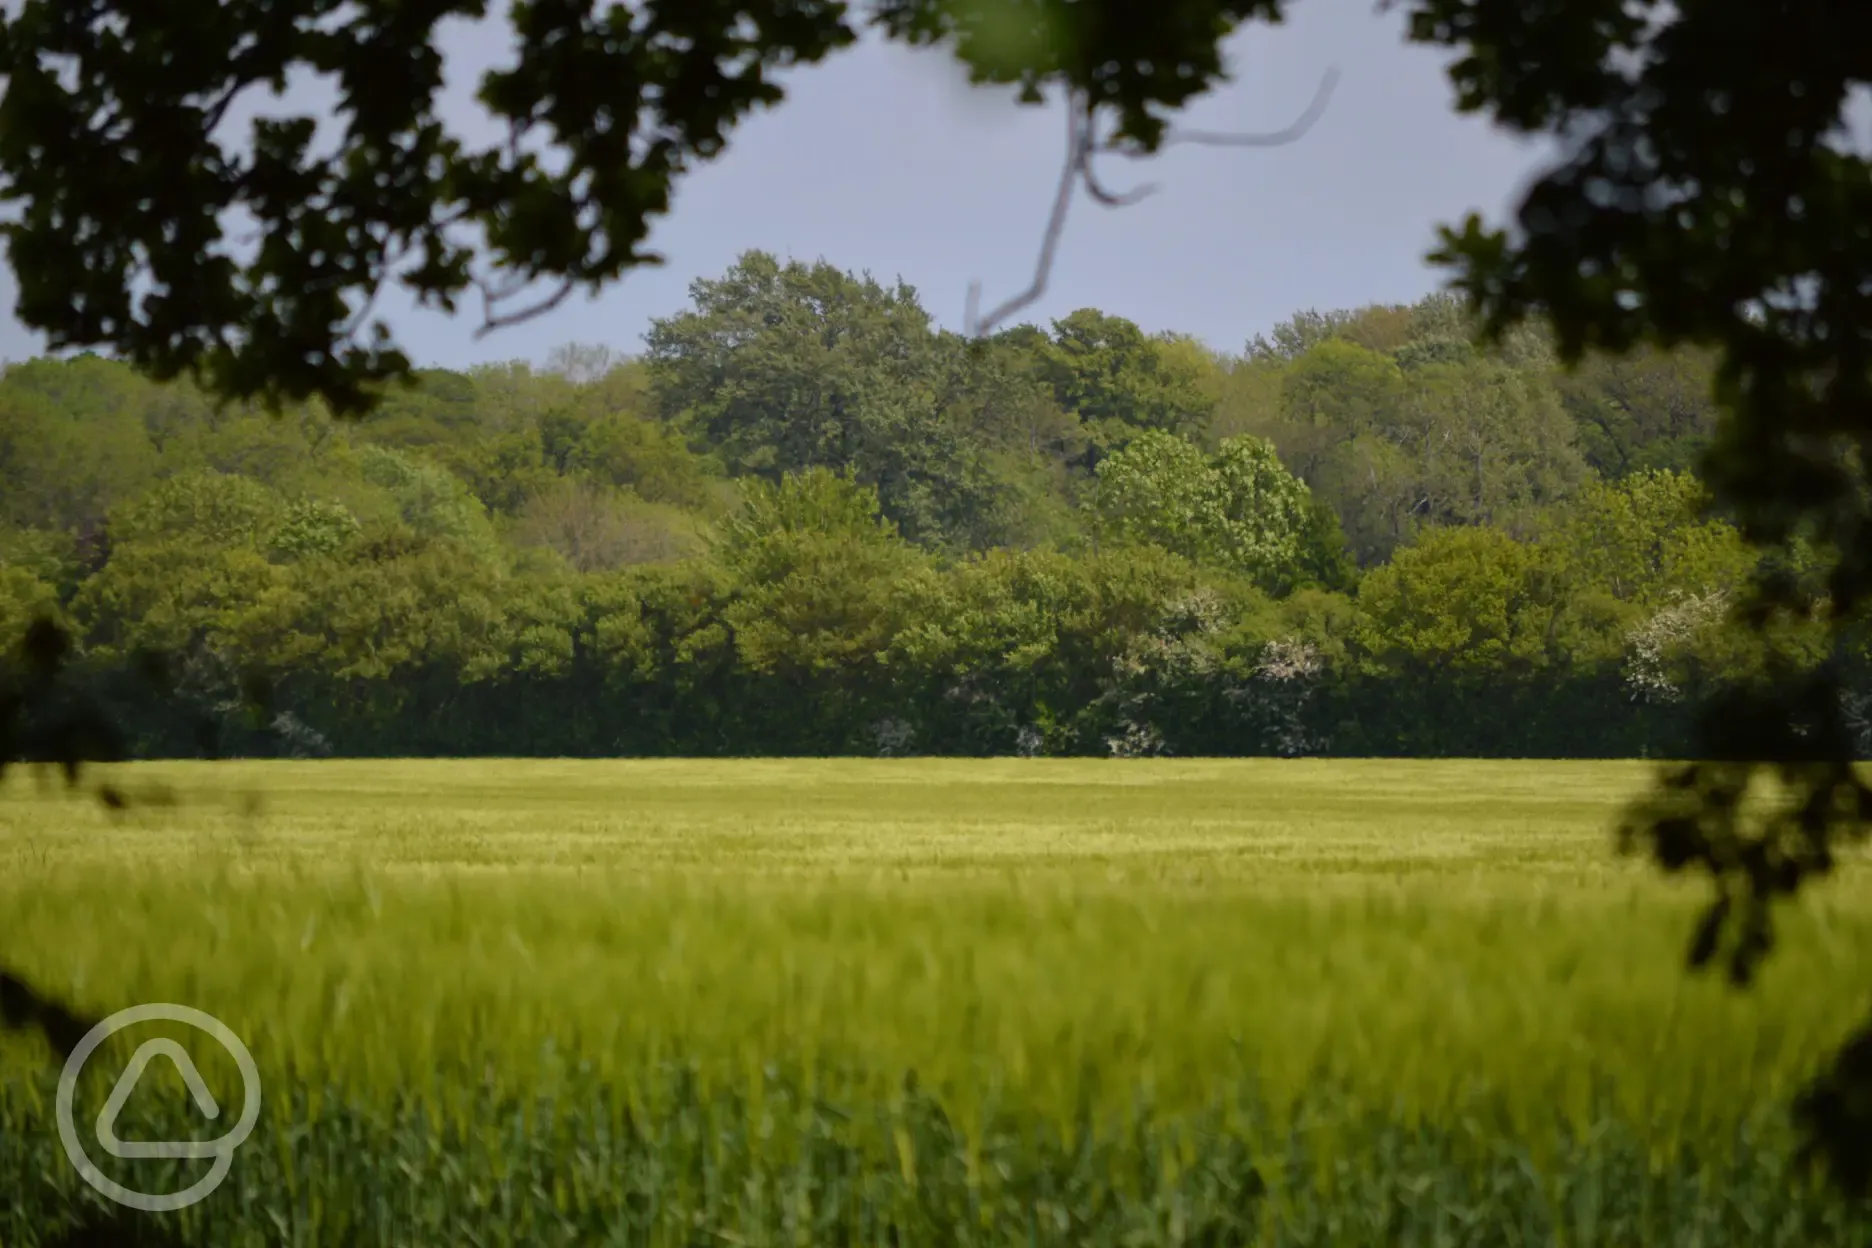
point(805, 518)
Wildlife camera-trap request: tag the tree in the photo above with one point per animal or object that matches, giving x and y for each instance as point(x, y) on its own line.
point(212, 508)
point(1119, 382)
point(1648, 536)
point(1487, 444)
point(1459, 600)
point(431, 501)
point(783, 368)
point(596, 528)
point(434, 408)
point(1324, 560)
point(25, 596)
point(312, 527)
point(174, 597)
point(1460, 439)
point(1647, 409)
point(1297, 335)
point(817, 574)
point(1335, 391)
point(623, 449)
point(1238, 509)
point(1437, 325)
point(72, 443)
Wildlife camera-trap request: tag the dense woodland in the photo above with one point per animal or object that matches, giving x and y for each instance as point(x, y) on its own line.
point(805, 521)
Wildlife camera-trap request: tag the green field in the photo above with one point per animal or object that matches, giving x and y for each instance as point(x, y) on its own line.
point(1005, 1002)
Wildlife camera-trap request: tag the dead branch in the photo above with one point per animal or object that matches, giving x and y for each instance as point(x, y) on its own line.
point(1271, 138)
point(492, 321)
point(1078, 135)
point(1078, 169)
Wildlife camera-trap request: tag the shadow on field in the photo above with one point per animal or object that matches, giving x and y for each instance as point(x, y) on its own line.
point(21, 1009)
point(50, 721)
point(118, 1230)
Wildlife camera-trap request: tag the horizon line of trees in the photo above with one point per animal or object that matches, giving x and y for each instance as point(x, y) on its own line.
point(804, 520)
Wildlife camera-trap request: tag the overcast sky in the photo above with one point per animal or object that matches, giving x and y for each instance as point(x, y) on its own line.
point(883, 159)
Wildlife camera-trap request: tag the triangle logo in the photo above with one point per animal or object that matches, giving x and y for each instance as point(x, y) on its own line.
point(126, 1084)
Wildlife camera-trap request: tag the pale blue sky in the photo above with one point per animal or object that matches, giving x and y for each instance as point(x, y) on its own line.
point(883, 159)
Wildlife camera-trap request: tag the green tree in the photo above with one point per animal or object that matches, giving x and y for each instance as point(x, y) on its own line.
point(1648, 536)
point(174, 597)
point(431, 408)
point(598, 528)
point(503, 469)
point(1488, 444)
point(782, 368)
point(433, 502)
point(313, 526)
point(1120, 382)
point(73, 443)
point(1238, 509)
point(358, 630)
point(1297, 335)
point(1460, 599)
point(1644, 410)
point(622, 449)
point(212, 508)
point(818, 576)
point(25, 596)
point(1472, 440)
point(1324, 559)
point(1335, 391)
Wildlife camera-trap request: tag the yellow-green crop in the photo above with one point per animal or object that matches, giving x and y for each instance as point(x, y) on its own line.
point(928, 1002)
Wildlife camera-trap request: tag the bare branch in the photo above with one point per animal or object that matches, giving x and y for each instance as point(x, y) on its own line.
point(1081, 145)
point(357, 319)
point(1111, 199)
point(491, 322)
point(493, 290)
point(1274, 138)
point(393, 252)
point(1078, 137)
point(216, 110)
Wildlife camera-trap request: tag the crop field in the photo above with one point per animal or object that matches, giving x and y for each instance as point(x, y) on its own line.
point(963, 1002)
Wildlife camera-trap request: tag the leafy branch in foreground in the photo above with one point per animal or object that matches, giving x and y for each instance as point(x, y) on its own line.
point(254, 260)
point(1697, 201)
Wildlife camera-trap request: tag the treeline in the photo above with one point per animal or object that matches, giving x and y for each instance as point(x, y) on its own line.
point(804, 520)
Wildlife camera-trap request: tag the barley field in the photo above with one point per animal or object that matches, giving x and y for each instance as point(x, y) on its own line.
point(962, 1002)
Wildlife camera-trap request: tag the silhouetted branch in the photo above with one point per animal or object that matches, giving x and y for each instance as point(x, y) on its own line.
point(491, 321)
